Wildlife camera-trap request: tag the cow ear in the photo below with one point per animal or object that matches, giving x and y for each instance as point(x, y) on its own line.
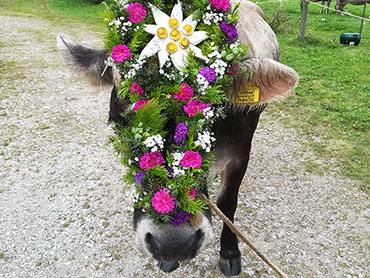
point(90, 62)
point(268, 79)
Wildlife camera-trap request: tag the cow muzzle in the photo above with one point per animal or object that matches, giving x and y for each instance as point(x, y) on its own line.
point(173, 248)
point(168, 244)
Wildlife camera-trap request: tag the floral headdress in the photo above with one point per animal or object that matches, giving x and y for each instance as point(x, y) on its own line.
point(177, 60)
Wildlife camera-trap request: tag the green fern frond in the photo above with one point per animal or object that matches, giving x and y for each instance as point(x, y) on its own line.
point(112, 39)
point(215, 95)
point(150, 116)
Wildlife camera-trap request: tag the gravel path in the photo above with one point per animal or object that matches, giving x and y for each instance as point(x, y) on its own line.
point(63, 210)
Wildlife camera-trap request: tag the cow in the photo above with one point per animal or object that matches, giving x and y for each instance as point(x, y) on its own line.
point(339, 6)
point(233, 134)
point(323, 3)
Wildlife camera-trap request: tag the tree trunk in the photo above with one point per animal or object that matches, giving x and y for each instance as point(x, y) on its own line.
point(304, 6)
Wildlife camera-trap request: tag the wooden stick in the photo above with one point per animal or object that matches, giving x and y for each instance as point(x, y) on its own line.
point(243, 238)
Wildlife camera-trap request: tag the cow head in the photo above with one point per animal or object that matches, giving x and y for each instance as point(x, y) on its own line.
point(168, 244)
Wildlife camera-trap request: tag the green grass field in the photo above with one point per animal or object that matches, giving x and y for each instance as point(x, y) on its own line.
point(332, 102)
point(57, 11)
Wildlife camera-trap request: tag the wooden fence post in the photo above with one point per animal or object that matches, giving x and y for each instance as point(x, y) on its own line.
point(304, 6)
point(363, 16)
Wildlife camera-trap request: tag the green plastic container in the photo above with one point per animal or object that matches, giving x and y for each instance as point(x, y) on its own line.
point(350, 38)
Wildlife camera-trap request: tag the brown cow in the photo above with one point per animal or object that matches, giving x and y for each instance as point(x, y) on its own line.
point(234, 134)
point(341, 3)
point(322, 5)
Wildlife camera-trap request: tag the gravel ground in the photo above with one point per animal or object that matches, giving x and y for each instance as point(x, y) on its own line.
point(62, 202)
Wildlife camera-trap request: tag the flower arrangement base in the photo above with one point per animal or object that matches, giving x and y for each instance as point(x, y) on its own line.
point(177, 60)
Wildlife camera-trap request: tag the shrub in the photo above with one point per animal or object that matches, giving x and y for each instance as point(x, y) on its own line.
point(276, 18)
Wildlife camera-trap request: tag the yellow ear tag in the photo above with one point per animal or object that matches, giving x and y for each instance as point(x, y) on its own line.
point(248, 94)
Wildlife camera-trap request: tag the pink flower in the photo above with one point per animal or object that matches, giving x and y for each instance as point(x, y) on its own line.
point(191, 159)
point(185, 93)
point(137, 12)
point(136, 88)
point(192, 193)
point(163, 202)
point(234, 70)
point(220, 4)
point(195, 106)
point(120, 53)
point(150, 160)
point(140, 103)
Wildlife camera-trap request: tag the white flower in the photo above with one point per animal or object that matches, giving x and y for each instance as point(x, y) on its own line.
point(219, 67)
point(203, 84)
point(132, 196)
point(212, 17)
point(205, 140)
point(235, 44)
point(178, 172)
point(208, 113)
point(176, 158)
point(156, 142)
point(173, 37)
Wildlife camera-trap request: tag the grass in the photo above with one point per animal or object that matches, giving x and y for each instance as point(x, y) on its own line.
point(56, 11)
point(332, 101)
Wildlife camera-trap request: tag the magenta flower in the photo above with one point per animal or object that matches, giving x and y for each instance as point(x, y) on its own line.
point(229, 30)
point(195, 106)
point(220, 4)
point(140, 104)
point(180, 218)
point(208, 73)
point(120, 53)
point(150, 160)
point(234, 70)
point(191, 159)
point(163, 202)
point(180, 132)
point(137, 12)
point(192, 193)
point(185, 93)
point(136, 88)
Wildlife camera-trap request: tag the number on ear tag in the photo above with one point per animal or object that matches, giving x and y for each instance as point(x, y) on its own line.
point(248, 94)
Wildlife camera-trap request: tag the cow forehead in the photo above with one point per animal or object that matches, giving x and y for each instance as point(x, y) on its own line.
point(255, 32)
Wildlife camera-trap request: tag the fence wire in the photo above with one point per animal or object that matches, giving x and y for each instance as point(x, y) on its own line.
point(317, 4)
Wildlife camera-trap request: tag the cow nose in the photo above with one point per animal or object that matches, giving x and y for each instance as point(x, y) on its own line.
point(174, 249)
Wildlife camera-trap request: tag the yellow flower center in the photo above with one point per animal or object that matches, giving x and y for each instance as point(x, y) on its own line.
point(173, 23)
point(188, 30)
point(162, 33)
point(175, 34)
point(171, 47)
point(184, 43)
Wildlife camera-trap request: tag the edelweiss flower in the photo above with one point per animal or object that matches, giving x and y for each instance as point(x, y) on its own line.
point(173, 37)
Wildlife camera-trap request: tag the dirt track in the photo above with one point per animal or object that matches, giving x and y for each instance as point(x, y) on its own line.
point(63, 206)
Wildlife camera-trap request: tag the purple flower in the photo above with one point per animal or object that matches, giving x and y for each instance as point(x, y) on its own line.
point(139, 177)
point(208, 73)
point(229, 30)
point(170, 172)
point(180, 218)
point(180, 132)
